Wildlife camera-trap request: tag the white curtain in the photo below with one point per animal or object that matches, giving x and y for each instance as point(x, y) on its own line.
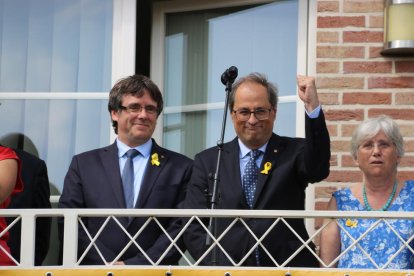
point(51, 47)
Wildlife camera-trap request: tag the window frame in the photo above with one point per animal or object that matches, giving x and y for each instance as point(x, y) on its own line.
point(306, 61)
point(161, 8)
point(123, 44)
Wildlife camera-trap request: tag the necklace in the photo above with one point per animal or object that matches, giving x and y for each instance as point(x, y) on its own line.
point(386, 205)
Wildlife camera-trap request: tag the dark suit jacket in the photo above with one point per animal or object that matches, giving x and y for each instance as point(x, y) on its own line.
point(295, 163)
point(94, 181)
point(36, 194)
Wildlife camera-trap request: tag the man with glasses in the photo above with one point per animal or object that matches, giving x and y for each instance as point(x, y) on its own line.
point(260, 170)
point(133, 172)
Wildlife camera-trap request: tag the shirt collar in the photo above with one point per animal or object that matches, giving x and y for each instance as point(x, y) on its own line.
point(144, 149)
point(244, 150)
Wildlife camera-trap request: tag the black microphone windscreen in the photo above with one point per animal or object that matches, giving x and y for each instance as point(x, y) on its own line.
point(224, 78)
point(229, 75)
point(233, 72)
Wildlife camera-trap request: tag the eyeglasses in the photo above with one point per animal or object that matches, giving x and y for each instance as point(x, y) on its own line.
point(382, 145)
point(243, 114)
point(137, 108)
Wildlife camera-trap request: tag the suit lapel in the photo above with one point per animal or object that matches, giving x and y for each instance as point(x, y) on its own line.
point(231, 171)
point(274, 147)
point(151, 174)
point(230, 185)
point(110, 160)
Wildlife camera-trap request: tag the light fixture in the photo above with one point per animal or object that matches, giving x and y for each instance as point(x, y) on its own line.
point(398, 28)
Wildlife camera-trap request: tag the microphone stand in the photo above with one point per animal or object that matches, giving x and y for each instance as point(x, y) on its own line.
point(227, 78)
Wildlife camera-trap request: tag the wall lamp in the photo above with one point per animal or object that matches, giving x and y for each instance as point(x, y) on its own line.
point(398, 28)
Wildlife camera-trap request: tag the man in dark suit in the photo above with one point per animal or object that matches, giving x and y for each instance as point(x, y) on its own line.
point(94, 180)
point(36, 194)
point(263, 171)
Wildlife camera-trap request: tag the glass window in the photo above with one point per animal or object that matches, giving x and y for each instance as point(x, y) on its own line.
point(50, 51)
point(201, 44)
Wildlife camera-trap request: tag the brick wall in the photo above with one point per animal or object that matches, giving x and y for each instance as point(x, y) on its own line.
point(355, 83)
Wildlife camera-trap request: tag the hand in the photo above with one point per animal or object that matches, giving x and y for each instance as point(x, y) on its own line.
point(307, 92)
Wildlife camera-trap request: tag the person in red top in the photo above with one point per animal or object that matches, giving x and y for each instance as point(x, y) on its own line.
point(10, 183)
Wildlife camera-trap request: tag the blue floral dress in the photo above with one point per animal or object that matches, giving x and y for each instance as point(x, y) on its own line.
point(381, 243)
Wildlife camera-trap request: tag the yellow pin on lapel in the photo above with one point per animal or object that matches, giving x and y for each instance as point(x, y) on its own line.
point(267, 167)
point(154, 160)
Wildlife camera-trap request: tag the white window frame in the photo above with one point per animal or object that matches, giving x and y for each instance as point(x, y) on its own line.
point(306, 62)
point(123, 59)
point(123, 44)
point(160, 10)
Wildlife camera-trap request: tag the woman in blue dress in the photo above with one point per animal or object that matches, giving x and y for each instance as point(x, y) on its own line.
point(377, 147)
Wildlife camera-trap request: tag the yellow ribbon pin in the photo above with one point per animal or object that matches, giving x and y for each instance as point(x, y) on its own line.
point(154, 160)
point(351, 223)
point(267, 167)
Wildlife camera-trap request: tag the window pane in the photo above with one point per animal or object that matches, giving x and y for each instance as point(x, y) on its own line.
point(55, 46)
point(200, 45)
point(55, 130)
point(179, 128)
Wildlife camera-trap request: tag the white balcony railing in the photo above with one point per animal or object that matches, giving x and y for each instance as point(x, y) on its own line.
point(73, 220)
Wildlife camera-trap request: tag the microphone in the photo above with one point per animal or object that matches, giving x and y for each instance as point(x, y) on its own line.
point(229, 75)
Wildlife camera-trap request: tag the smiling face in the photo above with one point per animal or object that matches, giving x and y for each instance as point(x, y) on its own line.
point(253, 133)
point(135, 129)
point(377, 156)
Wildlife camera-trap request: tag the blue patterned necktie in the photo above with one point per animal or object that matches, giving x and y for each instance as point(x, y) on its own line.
point(251, 172)
point(128, 178)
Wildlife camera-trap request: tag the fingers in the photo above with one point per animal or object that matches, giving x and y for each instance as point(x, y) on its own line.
point(305, 81)
point(307, 92)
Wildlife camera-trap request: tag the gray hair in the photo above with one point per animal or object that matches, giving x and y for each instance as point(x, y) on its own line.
point(371, 127)
point(259, 78)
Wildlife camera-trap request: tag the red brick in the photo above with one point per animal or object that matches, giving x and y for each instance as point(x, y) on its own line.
point(340, 52)
point(340, 146)
point(328, 98)
point(404, 66)
point(345, 176)
point(327, 37)
point(375, 52)
point(409, 146)
point(340, 21)
point(391, 82)
point(367, 98)
point(348, 161)
point(363, 6)
point(334, 160)
point(347, 129)
point(396, 114)
point(367, 67)
point(362, 36)
point(327, 67)
point(328, 6)
point(404, 98)
point(333, 130)
point(407, 161)
point(405, 175)
point(376, 21)
point(341, 82)
point(344, 115)
point(407, 130)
